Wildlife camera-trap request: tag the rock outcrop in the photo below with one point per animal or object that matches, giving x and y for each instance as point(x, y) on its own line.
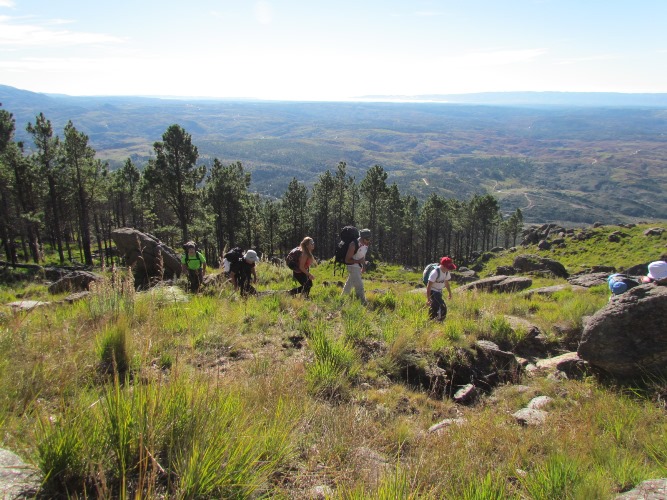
point(147, 255)
point(76, 281)
point(502, 284)
point(628, 336)
point(527, 263)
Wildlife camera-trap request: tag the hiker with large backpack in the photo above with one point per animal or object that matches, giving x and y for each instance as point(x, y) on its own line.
point(299, 261)
point(245, 273)
point(355, 261)
point(619, 283)
point(194, 262)
point(438, 278)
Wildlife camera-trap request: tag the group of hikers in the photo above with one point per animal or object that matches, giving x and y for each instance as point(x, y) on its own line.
point(351, 252)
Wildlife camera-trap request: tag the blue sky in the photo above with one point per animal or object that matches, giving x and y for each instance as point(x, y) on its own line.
point(287, 49)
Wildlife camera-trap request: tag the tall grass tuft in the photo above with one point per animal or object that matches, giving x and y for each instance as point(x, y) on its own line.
point(112, 349)
point(489, 488)
point(112, 295)
point(558, 477)
point(232, 452)
point(335, 364)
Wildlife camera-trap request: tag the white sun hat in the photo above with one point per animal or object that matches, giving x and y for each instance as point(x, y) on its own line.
point(657, 270)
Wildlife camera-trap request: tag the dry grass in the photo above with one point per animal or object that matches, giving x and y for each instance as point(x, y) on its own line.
point(192, 364)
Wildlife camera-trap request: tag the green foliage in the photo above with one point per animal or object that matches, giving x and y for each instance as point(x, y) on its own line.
point(113, 350)
point(491, 487)
point(266, 396)
point(559, 477)
point(335, 364)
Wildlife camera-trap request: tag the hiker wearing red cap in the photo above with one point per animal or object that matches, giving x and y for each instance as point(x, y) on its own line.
point(437, 280)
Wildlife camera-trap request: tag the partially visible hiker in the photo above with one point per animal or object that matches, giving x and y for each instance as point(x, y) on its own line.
point(299, 261)
point(620, 283)
point(657, 271)
point(246, 272)
point(437, 280)
point(194, 262)
point(355, 260)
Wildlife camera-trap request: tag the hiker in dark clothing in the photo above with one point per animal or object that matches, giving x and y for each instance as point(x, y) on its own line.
point(246, 273)
point(195, 264)
point(301, 272)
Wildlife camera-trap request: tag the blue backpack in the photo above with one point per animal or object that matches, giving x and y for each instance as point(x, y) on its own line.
point(428, 270)
point(619, 283)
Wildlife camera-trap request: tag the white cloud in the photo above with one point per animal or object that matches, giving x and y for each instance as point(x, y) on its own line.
point(600, 57)
point(263, 12)
point(6, 3)
point(15, 33)
point(498, 57)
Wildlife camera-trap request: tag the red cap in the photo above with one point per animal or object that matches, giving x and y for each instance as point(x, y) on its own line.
point(447, 262)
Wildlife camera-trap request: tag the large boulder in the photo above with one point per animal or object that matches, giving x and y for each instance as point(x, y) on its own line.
point(148, 256)
point(589, 280)
point(501, 284)
point(76, 281)
point(530, 263)
point(628, 337)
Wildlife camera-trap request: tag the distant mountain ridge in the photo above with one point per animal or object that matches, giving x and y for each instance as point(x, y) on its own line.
point(584, 99)
point(569, 163)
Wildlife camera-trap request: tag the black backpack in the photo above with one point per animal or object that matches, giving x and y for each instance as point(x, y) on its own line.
point(347, 235)
point(292, 259)
point(234, 257)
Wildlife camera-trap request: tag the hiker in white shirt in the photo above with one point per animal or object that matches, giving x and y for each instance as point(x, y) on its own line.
point(437, 280)
point(355, 262)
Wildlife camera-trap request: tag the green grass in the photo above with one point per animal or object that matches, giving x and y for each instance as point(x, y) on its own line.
point(162, 394)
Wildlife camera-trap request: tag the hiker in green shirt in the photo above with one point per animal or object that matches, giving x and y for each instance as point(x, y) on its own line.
point(194, 262)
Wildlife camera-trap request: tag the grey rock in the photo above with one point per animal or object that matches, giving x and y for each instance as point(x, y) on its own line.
point(466, 394)
point(555, 362)
point(529, 416)
point(27, 305)
point(448, 422)
point(17, 478)
point(147, 255)
point(651, 489)
point(76, 281)
point(654, 231)
point(532, 263)
point(628, 337)
point(589, 280)
point(501, 284)
point(539, 402)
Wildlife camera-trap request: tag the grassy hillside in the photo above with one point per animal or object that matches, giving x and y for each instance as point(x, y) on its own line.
point(158, 394)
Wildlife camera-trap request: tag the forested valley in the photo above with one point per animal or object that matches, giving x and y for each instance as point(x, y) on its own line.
point(60, 203)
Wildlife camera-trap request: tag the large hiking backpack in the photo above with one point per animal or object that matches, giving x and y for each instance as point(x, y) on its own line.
point(234, 257)
point(347, 235)
point(292, 259)
point(619, 283)
point(428, 270)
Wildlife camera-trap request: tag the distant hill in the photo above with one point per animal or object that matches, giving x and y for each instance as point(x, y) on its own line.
point(540, 99)
point(561, 157)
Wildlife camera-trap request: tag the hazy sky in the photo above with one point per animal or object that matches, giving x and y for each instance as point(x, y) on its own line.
point(289, 49)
